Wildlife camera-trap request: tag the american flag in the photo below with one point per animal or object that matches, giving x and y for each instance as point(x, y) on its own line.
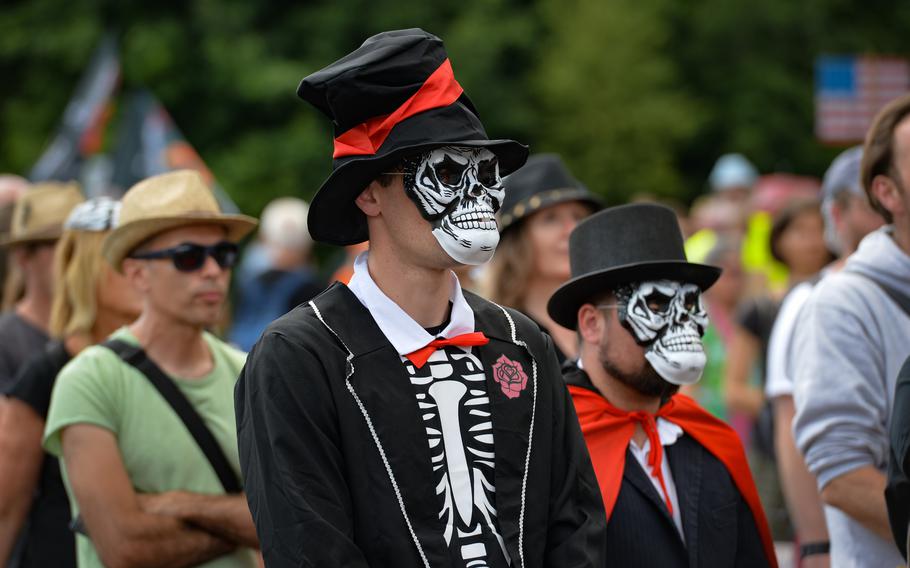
point(850, 90)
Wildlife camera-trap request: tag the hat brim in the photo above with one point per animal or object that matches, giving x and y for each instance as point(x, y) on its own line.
point(563, 305)
point(549, 198)
point(334, 217)
point(39, 236)
point(124, 239)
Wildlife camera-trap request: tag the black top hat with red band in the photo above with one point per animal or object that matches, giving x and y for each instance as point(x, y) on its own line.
point(393, 97)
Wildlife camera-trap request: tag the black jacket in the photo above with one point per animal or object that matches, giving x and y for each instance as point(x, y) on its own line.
point(321, 490)
point(46, 539)
point(718, 525)
point(897, 492)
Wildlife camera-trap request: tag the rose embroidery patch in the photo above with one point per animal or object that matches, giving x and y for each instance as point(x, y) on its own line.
point(510, 376)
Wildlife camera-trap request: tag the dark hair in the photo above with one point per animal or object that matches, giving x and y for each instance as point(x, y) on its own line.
point(878, 151)
point(785, 219)
point(385, 180)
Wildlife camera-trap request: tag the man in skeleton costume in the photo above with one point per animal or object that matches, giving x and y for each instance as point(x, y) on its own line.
point(398, 421)
point(675, 482)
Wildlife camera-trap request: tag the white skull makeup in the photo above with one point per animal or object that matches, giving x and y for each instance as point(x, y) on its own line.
point(667, 318)
point(458, 191)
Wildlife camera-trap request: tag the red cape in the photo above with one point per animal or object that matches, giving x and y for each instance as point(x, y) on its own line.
point(608, 431)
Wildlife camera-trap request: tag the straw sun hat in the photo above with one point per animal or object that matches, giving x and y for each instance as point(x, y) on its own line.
point(40, 212)
point(164, 202)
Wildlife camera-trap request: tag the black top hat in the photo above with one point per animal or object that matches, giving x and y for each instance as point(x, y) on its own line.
point(393, 97)
point(620, 245)
point(543, 181)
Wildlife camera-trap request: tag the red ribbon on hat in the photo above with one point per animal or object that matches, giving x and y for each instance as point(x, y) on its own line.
point(419, 357)
point(439, 90)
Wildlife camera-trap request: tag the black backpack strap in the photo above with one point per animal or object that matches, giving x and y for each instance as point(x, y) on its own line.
point(135, 356)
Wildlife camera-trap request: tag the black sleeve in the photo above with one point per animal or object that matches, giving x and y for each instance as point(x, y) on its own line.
point(7, 378)
point(900, 422)
point(750, 553)
point(290, 457)
point(576, 535)
point(35, 379)
point(897, 492)
point(748, 317)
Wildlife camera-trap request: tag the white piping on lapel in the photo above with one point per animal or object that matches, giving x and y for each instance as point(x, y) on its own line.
point(524, 479)
point(366, 417)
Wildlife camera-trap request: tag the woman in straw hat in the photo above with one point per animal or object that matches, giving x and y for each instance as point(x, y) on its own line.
point(36, 225)
point(92, 301)
point(543, 203)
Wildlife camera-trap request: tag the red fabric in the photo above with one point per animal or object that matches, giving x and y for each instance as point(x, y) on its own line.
point(608, 431)
point(439, 90)
point(419, 357)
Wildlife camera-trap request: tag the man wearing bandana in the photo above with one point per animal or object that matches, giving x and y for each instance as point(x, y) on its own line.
point(399, 421)
point(675, 482)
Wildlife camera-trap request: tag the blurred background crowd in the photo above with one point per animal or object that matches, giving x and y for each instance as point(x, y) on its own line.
point(715, 109)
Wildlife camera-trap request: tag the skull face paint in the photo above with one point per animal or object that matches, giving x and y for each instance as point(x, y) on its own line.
point(458, 191)
point(667, 318)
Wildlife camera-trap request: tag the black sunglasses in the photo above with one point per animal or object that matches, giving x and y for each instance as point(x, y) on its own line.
point(188, 257)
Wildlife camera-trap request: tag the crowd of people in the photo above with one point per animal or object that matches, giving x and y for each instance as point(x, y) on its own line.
point(502, 371)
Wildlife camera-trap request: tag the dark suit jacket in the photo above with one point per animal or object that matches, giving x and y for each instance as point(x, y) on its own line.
point(719, 527)
point(320, 490)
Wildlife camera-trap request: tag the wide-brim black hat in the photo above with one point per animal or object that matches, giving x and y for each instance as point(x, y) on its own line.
point(393, 97)
point(542, 182)
point(621, 245)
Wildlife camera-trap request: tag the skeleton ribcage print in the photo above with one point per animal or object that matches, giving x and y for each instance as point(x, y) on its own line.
point(455, 406)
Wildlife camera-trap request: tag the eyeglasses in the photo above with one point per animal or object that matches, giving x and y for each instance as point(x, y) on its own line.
point(188, 257)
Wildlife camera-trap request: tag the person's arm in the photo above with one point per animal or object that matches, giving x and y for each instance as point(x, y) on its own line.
point(123, 534)
point(842, 408)
point(21, 456)
point(227, 516)
point(576, 535)
point(861, 494)
point(291, 457)
point(798, 485)
point(740, 395)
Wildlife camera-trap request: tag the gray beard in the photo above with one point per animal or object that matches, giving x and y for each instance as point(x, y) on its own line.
point(646, 381)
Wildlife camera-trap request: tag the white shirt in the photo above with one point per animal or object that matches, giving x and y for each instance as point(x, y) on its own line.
point(470, 488)
point(668, 433)
point(778, 381)
point(405, 334)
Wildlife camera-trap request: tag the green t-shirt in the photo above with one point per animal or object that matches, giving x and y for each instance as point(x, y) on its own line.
point(159, 453)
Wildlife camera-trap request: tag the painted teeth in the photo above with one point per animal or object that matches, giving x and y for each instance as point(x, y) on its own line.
point(473, 217)
point(688, 342)
point(474, 221)
point(475, 224)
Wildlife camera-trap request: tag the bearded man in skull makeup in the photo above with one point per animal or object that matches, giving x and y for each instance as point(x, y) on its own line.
point(674, 480)
point(398, 421)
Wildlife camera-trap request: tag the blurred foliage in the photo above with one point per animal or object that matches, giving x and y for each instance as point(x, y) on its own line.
point(638, 96)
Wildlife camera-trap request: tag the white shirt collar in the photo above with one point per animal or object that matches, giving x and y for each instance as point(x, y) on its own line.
point(405, 334)
point(667, 431)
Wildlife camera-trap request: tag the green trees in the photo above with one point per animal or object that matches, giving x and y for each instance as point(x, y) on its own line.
point(638, 96)
point(611, 99)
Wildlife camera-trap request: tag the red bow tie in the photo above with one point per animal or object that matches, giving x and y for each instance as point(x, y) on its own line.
point(419, 357)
